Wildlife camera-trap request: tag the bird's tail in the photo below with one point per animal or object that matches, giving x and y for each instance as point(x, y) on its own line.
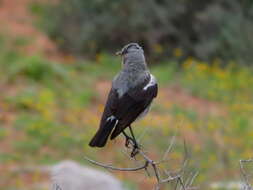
point(100, 138)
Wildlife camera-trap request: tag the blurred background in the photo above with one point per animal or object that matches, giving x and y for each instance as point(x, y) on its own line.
point(56, 66)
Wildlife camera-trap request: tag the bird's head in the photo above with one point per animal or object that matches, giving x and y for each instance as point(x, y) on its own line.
point(132, 54)
point(130, 48)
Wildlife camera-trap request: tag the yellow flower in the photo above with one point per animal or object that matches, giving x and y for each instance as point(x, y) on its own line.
point(158, 48)
point(202, 67)
point(188, 62)
point(177, 52)
point(247, 154)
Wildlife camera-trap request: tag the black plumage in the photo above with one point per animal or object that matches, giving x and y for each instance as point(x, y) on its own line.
point(120, 112)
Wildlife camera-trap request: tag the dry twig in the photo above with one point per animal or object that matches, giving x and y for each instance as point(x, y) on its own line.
point(149, 163)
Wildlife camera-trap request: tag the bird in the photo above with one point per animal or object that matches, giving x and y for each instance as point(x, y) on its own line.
point(132, 92)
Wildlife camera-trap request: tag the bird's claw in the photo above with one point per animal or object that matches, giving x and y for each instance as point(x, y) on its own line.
point(134, 144)
point(127, 142)
point(135, 150)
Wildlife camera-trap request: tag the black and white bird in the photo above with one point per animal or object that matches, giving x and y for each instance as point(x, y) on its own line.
point(132, 92)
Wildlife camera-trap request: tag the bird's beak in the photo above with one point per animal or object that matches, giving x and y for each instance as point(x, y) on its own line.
point(118, 52)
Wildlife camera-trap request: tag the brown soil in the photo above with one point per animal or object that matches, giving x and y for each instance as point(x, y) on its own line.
point(185, 99)
point(18, 23)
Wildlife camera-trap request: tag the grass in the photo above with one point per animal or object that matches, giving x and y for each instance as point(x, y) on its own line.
point(51, 110)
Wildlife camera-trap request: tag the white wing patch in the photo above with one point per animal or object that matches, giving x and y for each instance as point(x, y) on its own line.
point(116, 123)
point(152, 82)
point(111, 118)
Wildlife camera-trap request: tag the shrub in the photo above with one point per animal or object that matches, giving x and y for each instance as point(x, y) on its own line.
point(205, 29)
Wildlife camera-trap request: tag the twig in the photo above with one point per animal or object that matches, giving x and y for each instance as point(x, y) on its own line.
point(145, 165)
point(194, 177)
point(148, 162)
point(169, 148)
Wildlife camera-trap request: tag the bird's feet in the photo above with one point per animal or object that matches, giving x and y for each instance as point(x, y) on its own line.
point(128, 141)
point(135, 147)
point(135, 150)
point(131, 143)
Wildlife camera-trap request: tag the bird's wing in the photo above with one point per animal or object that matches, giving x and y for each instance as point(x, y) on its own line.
point(128, 107)
point(121, 111)
point(131, 105)
point(108, 121)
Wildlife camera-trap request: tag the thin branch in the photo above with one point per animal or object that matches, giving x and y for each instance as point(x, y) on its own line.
point(181, 182)
point(145, 165)
point(157, 174)
point(148, 162)
point(169, 179)
point(169, 148)
point(194, 177)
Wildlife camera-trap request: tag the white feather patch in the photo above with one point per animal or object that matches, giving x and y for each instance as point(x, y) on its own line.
point(152, 82)
point(111, 118)
point(116, 123)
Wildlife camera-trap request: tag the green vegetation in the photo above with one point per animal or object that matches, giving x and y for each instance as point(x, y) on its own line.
point(51, 110)
point(203, 29)
point(51, 102)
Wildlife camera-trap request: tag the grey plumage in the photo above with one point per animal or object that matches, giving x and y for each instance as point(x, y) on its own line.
point(134, 70)
point(133, 90)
